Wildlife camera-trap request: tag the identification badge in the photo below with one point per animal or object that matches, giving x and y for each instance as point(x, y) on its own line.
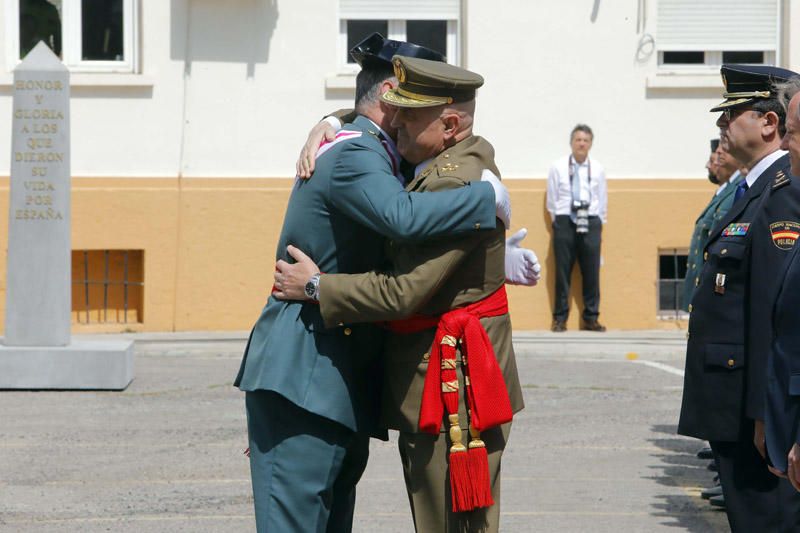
point(719, 284)
point(736, 230)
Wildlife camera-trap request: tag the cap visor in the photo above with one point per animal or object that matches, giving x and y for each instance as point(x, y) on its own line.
point(396, 99)
point(730, 103)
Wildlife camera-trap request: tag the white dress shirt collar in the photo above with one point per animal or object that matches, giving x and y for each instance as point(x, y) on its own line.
point(571, 159)
point(419, 168)
point(763, 165)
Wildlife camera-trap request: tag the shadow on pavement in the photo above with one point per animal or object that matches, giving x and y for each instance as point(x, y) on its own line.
point(679, 467)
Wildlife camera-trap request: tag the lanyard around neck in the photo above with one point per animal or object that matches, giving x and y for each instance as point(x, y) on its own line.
point(573, 164)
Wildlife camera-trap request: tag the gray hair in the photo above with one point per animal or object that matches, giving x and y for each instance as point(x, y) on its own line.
point(581, 127)
point(368, 85)
point(786, 91)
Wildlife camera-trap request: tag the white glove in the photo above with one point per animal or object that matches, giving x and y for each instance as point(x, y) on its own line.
point(522, 265)
point(502, 201)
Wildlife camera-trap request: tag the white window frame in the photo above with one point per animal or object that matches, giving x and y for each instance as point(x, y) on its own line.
point(713, 53)
point(71, 42)
point(396, 30)
point(713, 60)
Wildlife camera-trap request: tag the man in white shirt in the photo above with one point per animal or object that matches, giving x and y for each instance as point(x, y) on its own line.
point(577, 200)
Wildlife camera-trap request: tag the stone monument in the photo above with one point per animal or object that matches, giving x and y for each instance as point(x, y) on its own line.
point(38, 351)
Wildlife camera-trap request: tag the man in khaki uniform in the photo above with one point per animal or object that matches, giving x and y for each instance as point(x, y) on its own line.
point(436, 107)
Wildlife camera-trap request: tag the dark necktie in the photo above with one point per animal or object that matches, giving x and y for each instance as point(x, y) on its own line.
point(397, 166)
point(407, 170)
point(740, 190)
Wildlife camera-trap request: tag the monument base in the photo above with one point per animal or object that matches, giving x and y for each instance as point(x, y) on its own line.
point(84, 364)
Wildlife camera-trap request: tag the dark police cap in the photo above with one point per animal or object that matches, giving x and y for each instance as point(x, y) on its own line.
point(714, 144)
point(377, 50)
point(747, 84)
point(426, 83)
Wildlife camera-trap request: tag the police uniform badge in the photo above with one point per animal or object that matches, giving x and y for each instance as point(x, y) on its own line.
point(784, 234)
point(736, 230)
point(719, 283)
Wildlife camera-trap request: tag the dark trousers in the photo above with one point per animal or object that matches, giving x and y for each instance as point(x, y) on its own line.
point(755, 500)
point(570, 246)
point(304, 467)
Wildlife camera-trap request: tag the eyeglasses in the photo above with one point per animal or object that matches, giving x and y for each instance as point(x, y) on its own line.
point(731, 114)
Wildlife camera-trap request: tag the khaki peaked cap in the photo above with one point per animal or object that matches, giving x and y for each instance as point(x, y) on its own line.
point(425, 83)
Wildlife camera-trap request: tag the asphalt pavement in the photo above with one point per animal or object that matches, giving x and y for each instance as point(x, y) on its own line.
point(594, 450)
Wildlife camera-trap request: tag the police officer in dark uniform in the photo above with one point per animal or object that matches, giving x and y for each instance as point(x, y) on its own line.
point(729, 326)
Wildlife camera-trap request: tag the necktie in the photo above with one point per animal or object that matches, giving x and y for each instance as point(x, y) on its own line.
point(740, 190)
point(407, 171)
point(396, 165)
point(575, 179)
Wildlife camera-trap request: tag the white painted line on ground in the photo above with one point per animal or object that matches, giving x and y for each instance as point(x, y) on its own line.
point(661, 366)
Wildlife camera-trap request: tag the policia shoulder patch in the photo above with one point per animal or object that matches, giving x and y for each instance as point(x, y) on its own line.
point(784, 234)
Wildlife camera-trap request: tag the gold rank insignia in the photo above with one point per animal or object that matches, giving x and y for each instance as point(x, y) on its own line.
point(780, 180)
point(448, 167)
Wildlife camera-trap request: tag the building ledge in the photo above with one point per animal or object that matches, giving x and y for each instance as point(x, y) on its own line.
point(341, 81)
point(684, 80)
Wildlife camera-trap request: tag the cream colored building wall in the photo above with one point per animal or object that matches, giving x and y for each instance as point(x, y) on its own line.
point(191, 160)
point(229, 89)
point(209, 246)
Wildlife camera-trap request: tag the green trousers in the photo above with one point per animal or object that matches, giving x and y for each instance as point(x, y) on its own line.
point(304, 468)
point(425, 469)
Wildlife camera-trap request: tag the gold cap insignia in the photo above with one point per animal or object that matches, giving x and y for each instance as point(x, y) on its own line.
point(399, 71)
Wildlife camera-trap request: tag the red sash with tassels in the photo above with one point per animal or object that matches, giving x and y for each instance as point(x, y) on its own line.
point(487, 396)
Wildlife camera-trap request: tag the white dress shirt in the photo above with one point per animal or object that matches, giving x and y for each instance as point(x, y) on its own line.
point(559, 188)
point(763, 165)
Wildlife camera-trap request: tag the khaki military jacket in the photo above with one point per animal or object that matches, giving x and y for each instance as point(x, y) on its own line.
point(429, 278)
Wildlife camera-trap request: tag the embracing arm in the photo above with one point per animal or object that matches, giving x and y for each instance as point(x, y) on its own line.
point(375, 296)
point(363, 188)
point(324, 130)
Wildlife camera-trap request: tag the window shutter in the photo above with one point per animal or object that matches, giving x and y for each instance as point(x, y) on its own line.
point(714, 25)
point(399, 10)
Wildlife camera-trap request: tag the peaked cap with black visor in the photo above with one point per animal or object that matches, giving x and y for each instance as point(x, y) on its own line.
point(376, 50)
point(748, 84)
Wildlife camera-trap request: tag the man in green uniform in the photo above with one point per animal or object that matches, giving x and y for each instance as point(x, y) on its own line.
point(725, 171)
point(310, 401)
point(456, 287)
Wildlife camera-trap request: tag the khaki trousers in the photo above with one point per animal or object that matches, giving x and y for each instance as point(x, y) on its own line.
point(425, 469)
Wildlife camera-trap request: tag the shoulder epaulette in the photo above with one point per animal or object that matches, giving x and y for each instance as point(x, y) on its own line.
point(780, 180)
point(444, 165)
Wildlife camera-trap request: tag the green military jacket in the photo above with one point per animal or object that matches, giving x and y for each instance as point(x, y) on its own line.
point(711, 215)
point(429, 278)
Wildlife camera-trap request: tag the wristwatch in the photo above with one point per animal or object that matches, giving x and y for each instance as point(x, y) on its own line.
point(312, 287)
